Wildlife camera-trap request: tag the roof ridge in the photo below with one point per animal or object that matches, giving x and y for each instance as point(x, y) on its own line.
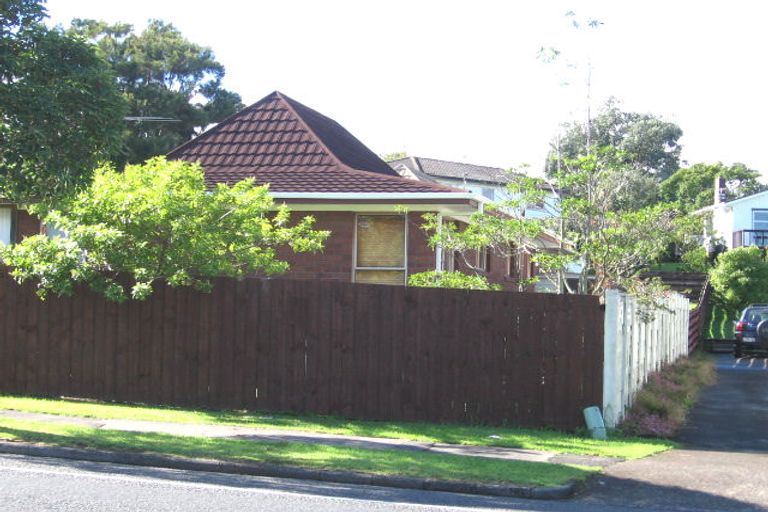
point(217, 127)
point(292, 104)
point(288, 103)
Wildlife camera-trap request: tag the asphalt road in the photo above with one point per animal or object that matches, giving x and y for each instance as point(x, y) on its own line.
point(723, 468)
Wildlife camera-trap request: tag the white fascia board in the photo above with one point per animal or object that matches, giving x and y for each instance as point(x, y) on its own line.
point(351, 196)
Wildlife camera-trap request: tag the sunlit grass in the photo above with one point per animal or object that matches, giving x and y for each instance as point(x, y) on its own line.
point(531, 439)
point(386, 462)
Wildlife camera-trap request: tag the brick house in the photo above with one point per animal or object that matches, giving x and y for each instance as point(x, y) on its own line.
point(317, 167)
point(16, 223)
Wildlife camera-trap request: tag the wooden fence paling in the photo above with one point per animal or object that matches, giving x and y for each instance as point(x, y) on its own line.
point(363, 351)
point(634, 348)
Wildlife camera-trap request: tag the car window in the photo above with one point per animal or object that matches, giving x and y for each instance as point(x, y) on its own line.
point(756, 315)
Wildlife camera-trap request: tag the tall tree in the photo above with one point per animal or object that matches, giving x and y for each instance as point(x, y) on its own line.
point(162, 75)
point(694, 187)
point(648, 143)
point(60, 111)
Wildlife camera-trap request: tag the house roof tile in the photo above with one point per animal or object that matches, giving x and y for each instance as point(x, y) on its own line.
point(279, 141)
point(453, 170)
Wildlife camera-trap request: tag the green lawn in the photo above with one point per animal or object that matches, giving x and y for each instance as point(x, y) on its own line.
point(547, 440)
point(669, 266)
point(387, 462)
point(720, 325)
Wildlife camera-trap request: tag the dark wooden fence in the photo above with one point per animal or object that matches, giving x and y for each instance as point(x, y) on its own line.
point(362, 351)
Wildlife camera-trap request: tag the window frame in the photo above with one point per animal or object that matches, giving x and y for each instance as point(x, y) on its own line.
point(759, 210)
point(12, 222)
point(484, 259)
point(356, 268)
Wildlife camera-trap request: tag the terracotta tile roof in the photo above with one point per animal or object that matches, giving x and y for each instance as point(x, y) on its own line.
point(279, 141)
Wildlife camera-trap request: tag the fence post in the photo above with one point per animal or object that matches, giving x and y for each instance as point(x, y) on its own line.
point(613, 356)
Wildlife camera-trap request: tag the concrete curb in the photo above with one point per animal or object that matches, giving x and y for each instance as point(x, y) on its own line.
point(273, 470)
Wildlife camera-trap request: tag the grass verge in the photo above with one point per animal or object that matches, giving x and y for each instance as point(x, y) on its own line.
point(661, 407)
point(387, 462)
point(530, 439)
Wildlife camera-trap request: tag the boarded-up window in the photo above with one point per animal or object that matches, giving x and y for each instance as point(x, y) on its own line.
point(380, 257)
point(6, 225)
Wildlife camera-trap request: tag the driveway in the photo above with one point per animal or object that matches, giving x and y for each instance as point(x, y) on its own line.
point(724, 463)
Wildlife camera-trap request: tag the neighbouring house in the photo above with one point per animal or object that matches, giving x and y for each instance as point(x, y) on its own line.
point(317, 167)
point(489, 182)
point(737, 223)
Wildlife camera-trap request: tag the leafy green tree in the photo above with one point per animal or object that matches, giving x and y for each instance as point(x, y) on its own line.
point(740, 278)
point(694, 187)
point(502, 227)
point(647, 143)
point(453, 279)
point(158, 222)
point(162, 75)
point(60, 111)
point(612, 244)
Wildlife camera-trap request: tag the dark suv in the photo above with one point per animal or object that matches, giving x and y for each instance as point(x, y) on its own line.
point(752, 330)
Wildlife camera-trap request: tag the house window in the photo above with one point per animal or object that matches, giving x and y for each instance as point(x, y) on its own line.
point(488, 193)
point(380, 249)
point(512, 265)
point(484, 259)
point(6, 225)
point(760, 219)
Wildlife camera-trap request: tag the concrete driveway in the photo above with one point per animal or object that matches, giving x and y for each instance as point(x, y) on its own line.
point(724, 463)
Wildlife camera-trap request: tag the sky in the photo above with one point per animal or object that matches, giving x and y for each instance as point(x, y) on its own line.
point(461, 80)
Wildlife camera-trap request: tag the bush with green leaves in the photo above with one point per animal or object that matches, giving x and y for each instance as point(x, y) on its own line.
point(158, 222)
point(696, 260)
point(740, 278)
point(451, 279)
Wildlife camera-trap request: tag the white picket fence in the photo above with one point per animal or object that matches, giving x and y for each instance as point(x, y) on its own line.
point(634, 348)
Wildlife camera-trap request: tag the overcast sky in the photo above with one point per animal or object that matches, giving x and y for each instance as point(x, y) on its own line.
point(461, 80)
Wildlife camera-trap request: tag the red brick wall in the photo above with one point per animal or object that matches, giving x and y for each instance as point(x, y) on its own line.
point(420, 256)
point(336, 259)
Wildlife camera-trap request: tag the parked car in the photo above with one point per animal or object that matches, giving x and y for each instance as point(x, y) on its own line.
point(751, 330)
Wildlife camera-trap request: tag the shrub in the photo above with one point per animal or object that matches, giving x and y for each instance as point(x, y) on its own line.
point(662, 405)
point(740, 278)
point(453, 279)
point(696, 260)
